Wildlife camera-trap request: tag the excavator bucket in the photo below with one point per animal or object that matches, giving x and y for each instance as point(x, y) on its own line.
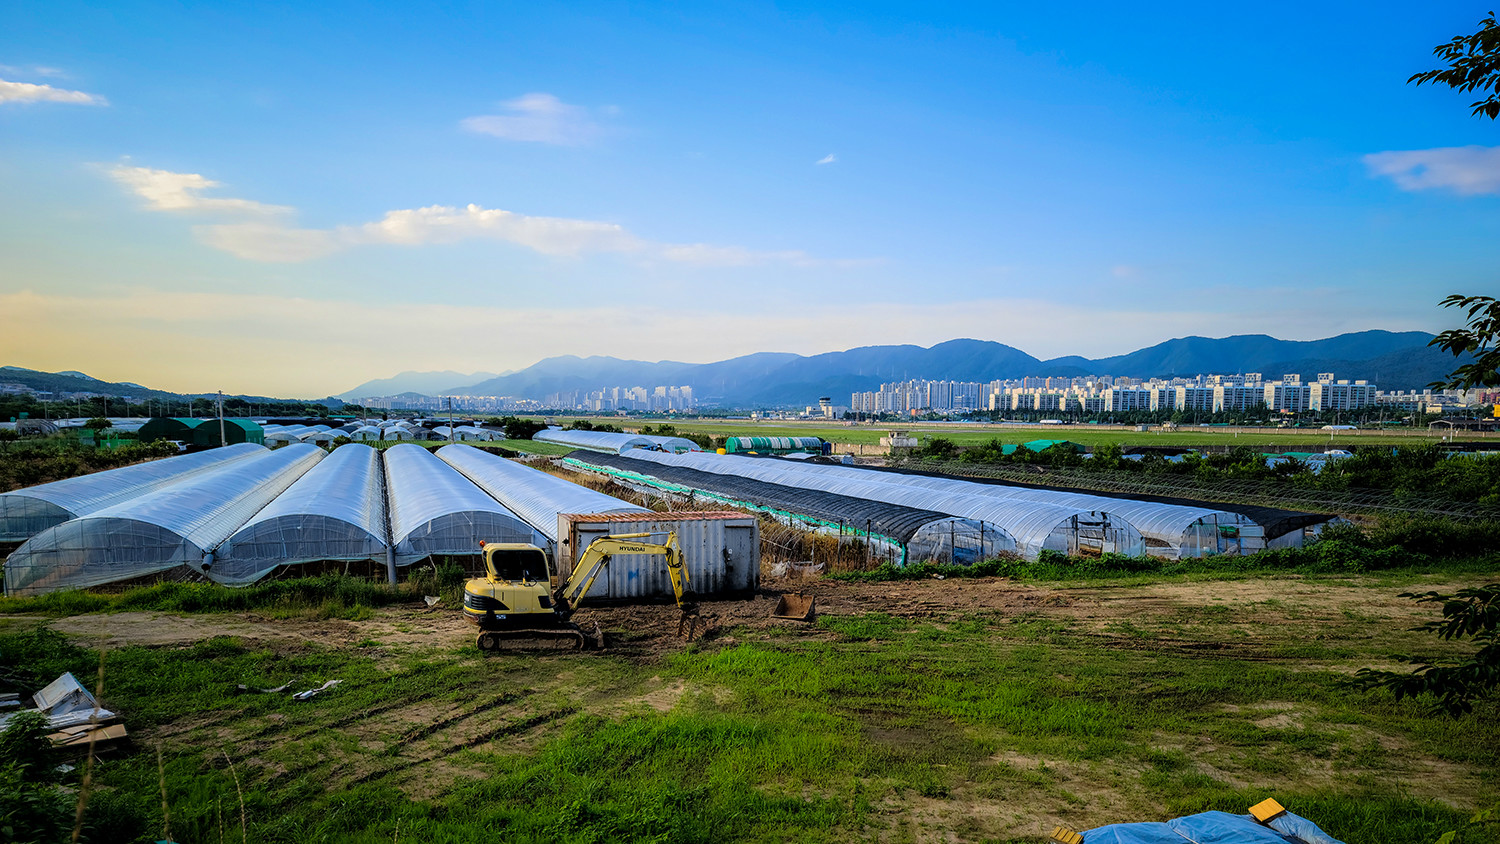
point(796, 607)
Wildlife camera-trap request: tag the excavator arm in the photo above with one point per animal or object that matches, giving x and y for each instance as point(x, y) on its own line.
point(595, 559)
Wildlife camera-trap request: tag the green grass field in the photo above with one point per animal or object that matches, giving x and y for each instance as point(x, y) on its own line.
point(867, 434)
point(931, 710)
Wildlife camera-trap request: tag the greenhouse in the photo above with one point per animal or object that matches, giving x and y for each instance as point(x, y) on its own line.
point(366, 433)
point(27, 512)
point(435, 510)
point(173, 526)
point(907, 533)
point(774, 445)
point(212, 434)
point(676, 445)
point(169, 428)
point(1034, 526)
point(593, 440)
point(334, 512)
point(1169, 530)
point(534, 495)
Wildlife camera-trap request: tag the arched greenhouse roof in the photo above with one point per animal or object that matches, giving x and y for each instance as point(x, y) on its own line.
point(593, 440)
point(167, 528)
point(1035, 526)
point(27, 512)
point(534, 495)
point(334, 512)
point(896, 523)
point(435, 510)
point(1177, 527)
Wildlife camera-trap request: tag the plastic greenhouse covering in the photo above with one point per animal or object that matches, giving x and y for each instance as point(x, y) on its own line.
point(909, 533)
point(435, 510)
point(534, 495)
point(1172, 530)
point(167, 528)
point(1035, 526)
point(334, 512)
point(673, 444)
point(26, 512)
point(593, 440)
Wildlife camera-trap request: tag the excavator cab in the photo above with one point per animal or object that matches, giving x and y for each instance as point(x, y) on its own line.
point(517, 564)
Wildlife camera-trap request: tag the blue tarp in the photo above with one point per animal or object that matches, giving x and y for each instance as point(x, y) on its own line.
point(1212, 828)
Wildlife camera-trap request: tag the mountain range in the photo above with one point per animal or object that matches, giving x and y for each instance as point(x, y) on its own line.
point(1393, 360)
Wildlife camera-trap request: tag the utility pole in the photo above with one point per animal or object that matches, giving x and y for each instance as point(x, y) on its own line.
point(223, 441)
point(450, 419)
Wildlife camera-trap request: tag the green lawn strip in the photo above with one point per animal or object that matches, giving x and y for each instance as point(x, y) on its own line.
point(966, 435)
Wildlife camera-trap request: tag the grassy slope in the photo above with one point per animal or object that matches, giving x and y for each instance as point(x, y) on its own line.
point(982, 724)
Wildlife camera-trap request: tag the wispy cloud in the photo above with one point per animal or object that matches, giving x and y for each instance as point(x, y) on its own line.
point(33, 70)
point(273, 238)
point(830, 158)
point(164, 190)
point(537, 118)
point(1467, 170)
point(27, 92)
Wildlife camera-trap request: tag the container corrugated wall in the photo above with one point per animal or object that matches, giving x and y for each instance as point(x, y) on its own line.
point(721, 551)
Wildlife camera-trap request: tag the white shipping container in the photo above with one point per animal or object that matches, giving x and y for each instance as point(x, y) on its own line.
point(722, 552)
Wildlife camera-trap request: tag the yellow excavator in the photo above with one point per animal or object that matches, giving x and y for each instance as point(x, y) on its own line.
point(518, 601)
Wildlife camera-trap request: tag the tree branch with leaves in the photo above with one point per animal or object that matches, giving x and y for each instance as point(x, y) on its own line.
point(1473, 65)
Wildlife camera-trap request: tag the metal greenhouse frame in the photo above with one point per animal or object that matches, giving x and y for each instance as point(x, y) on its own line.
point(334, 512)
point(1035, 526)
point(27, 512)
point(167, 528)
point(1169, 530)
point(435, 510)
point(534, 495)
point(909, 533)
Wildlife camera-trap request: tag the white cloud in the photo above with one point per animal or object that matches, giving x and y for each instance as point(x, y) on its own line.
point(26, 92)
point(1465, 170)
point(537, 118)
point(271, 240)
point(830, 158)
point(164, 190)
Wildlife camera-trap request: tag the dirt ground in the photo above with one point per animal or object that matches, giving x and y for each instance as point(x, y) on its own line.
point(1239, 611)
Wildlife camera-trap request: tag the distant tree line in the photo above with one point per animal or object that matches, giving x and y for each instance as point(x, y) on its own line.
point(1402, 470)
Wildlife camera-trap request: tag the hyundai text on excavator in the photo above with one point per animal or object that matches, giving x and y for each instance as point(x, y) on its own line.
point(519, 602)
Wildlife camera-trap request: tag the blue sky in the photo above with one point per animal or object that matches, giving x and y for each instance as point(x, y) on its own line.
point(292, 200)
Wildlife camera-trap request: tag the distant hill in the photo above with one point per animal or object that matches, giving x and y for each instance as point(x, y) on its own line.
point(1395, 361)
point(422, 383)
point(73, 381)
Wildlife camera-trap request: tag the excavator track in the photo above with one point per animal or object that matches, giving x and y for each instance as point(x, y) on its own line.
point(544, 640)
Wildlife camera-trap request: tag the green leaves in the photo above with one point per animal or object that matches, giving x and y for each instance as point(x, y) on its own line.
point(1456, 683)
point(1478, 338)
point(1473, 65)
